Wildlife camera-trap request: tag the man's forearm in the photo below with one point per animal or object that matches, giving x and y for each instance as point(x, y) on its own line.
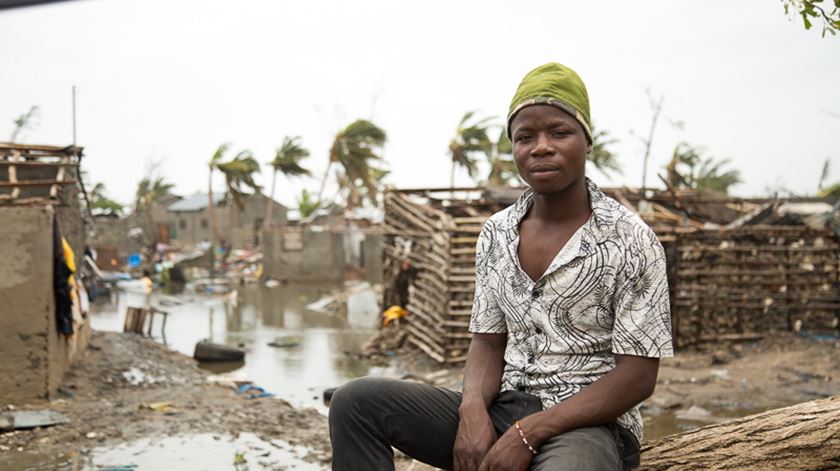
point(629, 383)
point(483, 370)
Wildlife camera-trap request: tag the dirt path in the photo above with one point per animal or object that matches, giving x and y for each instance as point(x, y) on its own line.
point(108, 393)
point(121, 375)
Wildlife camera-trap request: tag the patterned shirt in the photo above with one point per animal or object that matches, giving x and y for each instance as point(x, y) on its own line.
point(604, 294)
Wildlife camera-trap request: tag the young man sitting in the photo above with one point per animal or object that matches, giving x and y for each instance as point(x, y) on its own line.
point(570, 318)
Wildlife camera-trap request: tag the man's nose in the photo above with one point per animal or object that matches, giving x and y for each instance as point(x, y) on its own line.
point(542, 146)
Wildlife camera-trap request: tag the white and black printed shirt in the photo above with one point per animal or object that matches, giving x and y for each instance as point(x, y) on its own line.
point(604, 294)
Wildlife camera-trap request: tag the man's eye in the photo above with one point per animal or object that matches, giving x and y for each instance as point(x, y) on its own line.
point(561, 133)
point(522, 138)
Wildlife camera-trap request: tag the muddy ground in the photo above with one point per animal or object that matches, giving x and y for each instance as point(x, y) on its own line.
point(127, 388)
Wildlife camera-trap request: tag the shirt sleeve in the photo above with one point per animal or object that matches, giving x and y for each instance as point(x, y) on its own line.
point(487, 317)
point(642, 324)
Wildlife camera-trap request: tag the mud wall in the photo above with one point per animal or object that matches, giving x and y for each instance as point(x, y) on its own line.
point(304, 256)
point(33, 355)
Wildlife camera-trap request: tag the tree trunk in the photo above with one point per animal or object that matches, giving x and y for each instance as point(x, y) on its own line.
point(211, 207)
point(803, 436)
point(323, 183)
point(267, 222)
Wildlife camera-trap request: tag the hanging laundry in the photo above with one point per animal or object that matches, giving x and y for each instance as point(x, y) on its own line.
point(61, 287)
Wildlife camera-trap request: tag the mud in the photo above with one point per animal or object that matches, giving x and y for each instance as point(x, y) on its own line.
point(122, 379)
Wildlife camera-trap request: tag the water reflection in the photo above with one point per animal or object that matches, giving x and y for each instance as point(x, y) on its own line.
point(253, 318)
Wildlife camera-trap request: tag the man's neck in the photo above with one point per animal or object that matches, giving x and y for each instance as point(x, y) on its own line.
point(569, 205)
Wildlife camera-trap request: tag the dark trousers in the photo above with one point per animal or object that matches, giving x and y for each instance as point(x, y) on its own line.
point(369, 416)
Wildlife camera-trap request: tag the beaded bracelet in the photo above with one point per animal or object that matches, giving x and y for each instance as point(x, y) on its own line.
point(522, 436)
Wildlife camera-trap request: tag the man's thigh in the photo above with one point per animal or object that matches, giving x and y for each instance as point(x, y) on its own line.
point(584, 449)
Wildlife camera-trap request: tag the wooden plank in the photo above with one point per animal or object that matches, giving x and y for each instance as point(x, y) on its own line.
point(36, 183)
point(32, 163)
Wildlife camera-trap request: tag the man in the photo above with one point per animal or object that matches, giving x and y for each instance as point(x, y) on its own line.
point(570, 318)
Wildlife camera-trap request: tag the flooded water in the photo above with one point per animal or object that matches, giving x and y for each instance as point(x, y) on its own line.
point(245, 452)
point(261, 315)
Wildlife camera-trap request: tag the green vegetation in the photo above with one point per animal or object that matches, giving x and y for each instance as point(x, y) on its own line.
point(471, 141)
point(828, 12)
point(286, 161)
point(689, 168)
point(306, 204)
point(502, 167)
point(98, 200)
point(357, 149)
point(604, 160)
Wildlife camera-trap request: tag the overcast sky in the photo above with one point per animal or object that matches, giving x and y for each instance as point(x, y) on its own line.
point(170, 80)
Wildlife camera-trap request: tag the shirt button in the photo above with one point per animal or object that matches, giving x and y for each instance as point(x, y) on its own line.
point(538, 330)
point(521, 388)
point(536, 293)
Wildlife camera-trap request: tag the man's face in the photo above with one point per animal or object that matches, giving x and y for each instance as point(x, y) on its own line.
point(549, 147)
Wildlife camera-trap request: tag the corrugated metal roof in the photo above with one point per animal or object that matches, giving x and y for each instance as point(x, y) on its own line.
point(196, 202)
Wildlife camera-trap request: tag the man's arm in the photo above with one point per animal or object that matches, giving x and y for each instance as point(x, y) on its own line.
point(629, 383)
point(482, 379)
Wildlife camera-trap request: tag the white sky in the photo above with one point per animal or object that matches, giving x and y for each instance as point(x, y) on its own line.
point(171, 80)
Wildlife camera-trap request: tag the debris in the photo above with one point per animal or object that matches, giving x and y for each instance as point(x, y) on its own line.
point(209, 351)
point(24, 419)
point(328, 394)
point(286, 341)
point(158, 406)
point(393, 313)
point(697, 414)
point(253, 392)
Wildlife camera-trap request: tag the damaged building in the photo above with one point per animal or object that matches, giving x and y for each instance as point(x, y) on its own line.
point(43, 323)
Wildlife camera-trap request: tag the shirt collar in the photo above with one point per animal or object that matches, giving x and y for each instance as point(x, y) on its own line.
point(597, 225)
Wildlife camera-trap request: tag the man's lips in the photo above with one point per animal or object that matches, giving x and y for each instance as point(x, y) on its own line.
point(542, 168)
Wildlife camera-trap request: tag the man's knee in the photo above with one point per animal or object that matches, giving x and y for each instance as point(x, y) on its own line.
point(584, 449)
point(356, 394)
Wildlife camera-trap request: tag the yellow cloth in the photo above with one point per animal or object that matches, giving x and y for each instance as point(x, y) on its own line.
point(393, 313)
point(69, 257)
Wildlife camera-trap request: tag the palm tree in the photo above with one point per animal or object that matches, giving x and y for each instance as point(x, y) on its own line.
point(239, 174)
point(690, 169)
point(150, 190)
point(602, 158)
point(356, 148)
point(306, 205)
point(471, 138)
point(98, 200)
point(286, 161)
point(211, 206)
point(502, 167)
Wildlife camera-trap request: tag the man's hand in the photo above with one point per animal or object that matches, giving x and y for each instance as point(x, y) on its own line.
point(475, 437)
point(508, 454)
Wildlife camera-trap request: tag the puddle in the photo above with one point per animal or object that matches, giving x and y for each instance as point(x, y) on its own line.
point(298, 373)
point(195, 452)
point(669, 422)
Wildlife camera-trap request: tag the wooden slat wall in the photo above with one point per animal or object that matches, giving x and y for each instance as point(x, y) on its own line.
point(754, 280)
point(725, 284)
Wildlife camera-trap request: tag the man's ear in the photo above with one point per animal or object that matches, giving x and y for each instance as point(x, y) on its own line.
point(589, 148)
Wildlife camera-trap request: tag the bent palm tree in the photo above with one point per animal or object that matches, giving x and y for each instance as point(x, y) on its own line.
point(239, 174)
point(150, 190)
point(470, 139)
point(211, 207)
point(689, 169)
point(286, 161)
point(502, 167)
point(356, 148)
point(601, 157)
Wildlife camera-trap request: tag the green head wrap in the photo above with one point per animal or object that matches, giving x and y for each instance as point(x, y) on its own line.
point(557, 85)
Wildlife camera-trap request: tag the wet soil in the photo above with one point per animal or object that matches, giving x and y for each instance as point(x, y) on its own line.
point(117, 389)
point(120, 376)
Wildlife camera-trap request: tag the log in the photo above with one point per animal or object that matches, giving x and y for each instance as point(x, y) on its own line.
point(802, 436)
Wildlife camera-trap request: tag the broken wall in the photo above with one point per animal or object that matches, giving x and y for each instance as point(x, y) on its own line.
point(33, 354)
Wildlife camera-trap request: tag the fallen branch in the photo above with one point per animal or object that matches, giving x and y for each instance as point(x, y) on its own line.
point(803, 436)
